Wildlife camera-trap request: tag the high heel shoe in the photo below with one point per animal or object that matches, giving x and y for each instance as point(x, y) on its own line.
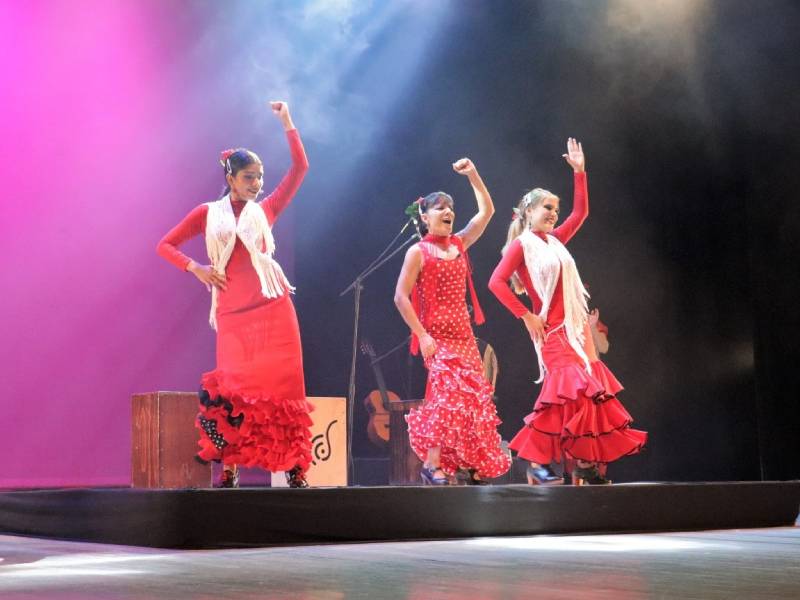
point(470, 477)
point(296, 478)
point(588, 476)
point(428, 475)
point(542, 475)
point(230, 478)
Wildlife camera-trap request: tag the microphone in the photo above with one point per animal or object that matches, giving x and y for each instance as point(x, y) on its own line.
point(415, 221)
point(416, 226)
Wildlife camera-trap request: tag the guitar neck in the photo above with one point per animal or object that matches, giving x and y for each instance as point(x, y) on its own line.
point(376, 368)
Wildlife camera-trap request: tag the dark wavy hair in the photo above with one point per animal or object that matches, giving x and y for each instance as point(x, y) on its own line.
point(241, 158)
point(431, 200)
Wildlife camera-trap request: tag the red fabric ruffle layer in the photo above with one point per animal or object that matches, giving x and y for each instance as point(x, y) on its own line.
point(274, 433)
point(459, 417)
point(578, 415)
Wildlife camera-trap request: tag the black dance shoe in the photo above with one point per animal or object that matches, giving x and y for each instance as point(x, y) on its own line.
point(230, 478)
point(428, 475)
point(588, 476)
point(296, 478)
point(542, 475)
point(470, 477)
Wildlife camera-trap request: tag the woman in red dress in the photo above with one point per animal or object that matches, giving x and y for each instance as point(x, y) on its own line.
point(253, 407)
point(455, 430)
point(577, 415)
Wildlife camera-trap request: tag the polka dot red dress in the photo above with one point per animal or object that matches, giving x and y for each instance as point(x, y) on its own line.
point(458, 414)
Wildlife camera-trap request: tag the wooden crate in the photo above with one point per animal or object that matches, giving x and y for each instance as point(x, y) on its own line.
point(328, 442)
point(404, 466)
point(164, 441)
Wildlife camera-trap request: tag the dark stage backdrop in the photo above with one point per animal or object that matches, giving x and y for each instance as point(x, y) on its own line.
point(687, 114)
point(687, 109)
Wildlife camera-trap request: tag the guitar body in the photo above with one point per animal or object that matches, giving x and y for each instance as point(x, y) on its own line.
point(378, 426)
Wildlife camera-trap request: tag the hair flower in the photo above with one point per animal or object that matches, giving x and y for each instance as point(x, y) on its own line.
point(223, 159)
point(414, 210)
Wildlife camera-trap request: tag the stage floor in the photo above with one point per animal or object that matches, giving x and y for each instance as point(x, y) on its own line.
point(214, 519)
point(754, 563)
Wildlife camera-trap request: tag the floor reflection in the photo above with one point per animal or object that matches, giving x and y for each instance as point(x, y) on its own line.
point(760, 563)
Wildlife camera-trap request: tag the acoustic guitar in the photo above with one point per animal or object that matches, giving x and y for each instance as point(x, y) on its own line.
point(377, 401)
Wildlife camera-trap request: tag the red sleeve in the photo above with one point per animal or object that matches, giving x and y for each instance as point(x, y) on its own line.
point(193, 224)
point(580, 210)
point(280, 197)
point(512, 260)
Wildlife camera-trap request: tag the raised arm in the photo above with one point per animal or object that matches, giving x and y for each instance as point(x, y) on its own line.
point(192, 225)
point(282, 195)
point(405, 284)
point(580, 203)
point(477, 224)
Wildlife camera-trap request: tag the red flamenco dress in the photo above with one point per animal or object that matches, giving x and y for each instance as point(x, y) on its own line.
point(458, 414)
point(577, 414)
point(253, 407)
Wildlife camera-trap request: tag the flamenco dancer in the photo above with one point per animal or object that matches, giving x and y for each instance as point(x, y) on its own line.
point(253, 407)
point(454, 432)
point(577, 414)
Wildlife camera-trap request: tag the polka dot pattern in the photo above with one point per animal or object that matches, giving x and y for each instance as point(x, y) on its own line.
point(209, 426)
point(458, 414)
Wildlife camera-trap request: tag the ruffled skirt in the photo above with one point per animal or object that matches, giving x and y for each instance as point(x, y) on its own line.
point(458, 414)
point(577, 414)
point(253, 407)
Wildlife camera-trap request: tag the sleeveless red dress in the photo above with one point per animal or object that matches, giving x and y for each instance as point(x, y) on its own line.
point(458, 414)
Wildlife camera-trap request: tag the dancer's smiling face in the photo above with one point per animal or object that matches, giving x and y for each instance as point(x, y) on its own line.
point(543, 216)
point(440, 216)
point(247, 182)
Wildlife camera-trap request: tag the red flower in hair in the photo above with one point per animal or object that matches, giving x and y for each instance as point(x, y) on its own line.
point(225, 155)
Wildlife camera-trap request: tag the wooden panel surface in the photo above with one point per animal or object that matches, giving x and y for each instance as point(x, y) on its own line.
point(144, 440)
point(404, 466)
point(328, 442)
point(164, 441)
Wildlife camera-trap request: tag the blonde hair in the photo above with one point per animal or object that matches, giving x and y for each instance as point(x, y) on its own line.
point(519, 224)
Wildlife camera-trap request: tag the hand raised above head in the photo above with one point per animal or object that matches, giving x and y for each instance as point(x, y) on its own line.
point(464, 166)
point(574, 155)
point(279, 107)
point(281, 110)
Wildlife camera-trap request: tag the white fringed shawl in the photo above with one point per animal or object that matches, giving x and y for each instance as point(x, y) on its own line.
point(545, 261)
point(254, 231)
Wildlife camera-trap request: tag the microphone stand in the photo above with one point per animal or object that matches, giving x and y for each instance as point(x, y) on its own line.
point(357, 287)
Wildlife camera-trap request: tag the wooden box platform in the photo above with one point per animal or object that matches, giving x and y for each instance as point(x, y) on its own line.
point(164, 442)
